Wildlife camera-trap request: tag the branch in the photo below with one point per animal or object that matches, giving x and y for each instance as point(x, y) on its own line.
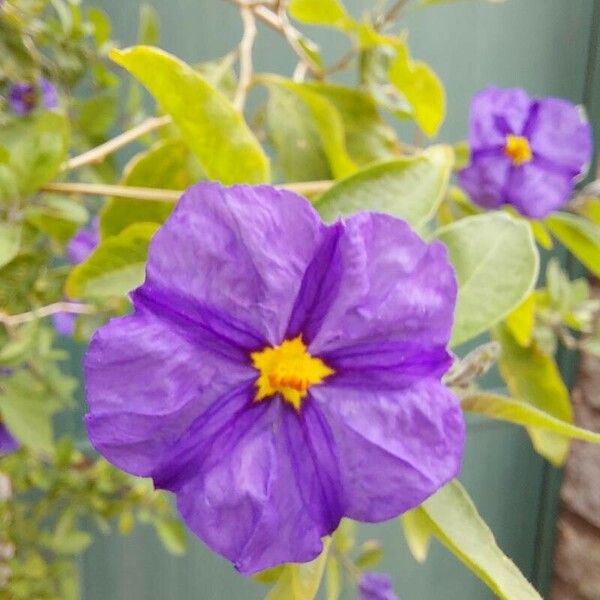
point(390, 16)
point(284, 28)
point(52, 309)
point(99, 153)
point(306, 188)
point(246, 46)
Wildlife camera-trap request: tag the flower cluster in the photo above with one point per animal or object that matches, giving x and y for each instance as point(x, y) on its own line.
point(278, 374)
point(526, 152)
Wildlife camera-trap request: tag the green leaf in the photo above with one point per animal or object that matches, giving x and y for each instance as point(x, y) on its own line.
point(522, 413)
point(410, 188)
point(456, 523)
point(496, 263)
point(300, 581)
point(521, 321)
point(149, 27)
point(59, 218)
point(38, 145)
point(533, 376)
point(115, 267)
point(333, 579)
point(417, 532)
point(10, 241)
point(580, 236)
point(422, 89)
point(167, 165)
point(370, 555)
point(172, 534)
point(368, 138)
point(292, 131)
point(98, 114)
point(327, 121)
point(26, 416)
point(212, 128)
point(101, 23)
point(321, 12)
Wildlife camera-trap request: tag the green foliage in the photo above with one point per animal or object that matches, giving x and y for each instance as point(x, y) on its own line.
point(451, 517)
point(321, 12)
point(212, 128)
point(496, 265)
point(115, 267)
point(410, 188)
point(533, 376)
point(10, 242)
point(580, 236)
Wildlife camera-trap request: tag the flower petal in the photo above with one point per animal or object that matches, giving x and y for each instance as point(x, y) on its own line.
point(494, 114)
point(240, 251)
point(485, 179)
point(267, 487)
point(395, 448)
point(536, 189)
point(559, 133)
point(380, 283)
point(146, 383)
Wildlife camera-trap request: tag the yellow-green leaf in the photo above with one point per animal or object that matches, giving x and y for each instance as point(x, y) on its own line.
point(533, 376)
point(521, 321)
point(456, 523)
point(496, 263)
point(422, 89)
point(115, 267)
point(300, 581)
point(522, 413)
point(417, 532)
point(579, 236)
point(10, 242)
point(210, 125)
point(410, 188)
point(321, 12)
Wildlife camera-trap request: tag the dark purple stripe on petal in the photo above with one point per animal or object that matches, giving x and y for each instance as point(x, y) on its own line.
point(386, 365)
point(319, 288)
point(200, 324)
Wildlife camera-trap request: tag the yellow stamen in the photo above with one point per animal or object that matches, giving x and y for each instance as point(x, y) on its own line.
point(518, 149)
point(289, 370)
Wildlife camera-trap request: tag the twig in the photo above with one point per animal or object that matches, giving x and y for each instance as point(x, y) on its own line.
point(99, 153)
point(123, 191)
point(155, 195)
point(45, 311)
point(287, 30)
point(390, 16)
point(246, 46)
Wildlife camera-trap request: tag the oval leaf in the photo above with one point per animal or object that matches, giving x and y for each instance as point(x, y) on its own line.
point(410, 188)
point(496, 264)
point(115, 267)
point(580, 236)
point(210, 125)
point(457, 524)
point(10, 242)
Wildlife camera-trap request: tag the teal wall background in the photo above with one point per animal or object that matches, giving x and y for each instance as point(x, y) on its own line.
point(546, 46)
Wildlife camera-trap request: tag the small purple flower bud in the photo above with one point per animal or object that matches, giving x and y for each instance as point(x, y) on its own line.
point(25, 97)
point(376, 586)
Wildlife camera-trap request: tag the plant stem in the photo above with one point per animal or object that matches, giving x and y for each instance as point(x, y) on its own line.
point(155, 195)
point(246, 46)
point(99, 153)
point(45, 311)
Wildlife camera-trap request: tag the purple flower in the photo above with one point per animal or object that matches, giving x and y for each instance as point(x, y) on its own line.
point(527, 152)
point(25, 97)
point(8, 443)
point(278, 373)
point(83, 243)
point(80, 246)
point(376, 586)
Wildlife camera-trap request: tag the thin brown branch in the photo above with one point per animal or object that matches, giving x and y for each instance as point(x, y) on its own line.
point(390, 16)
point(99, 153)
point(246, 45)
point(307, 188)
point(76, 308)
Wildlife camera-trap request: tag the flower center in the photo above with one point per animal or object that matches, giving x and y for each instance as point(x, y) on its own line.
point(289, 370)
point(518, 149)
